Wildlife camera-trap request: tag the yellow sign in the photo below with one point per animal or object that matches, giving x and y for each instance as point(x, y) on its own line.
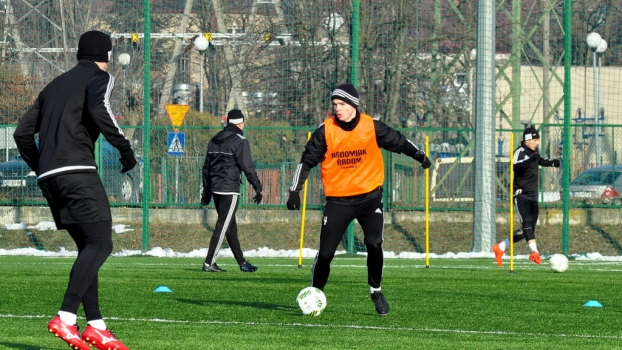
point(177, 113)
point(208, 36)
point(134, 37)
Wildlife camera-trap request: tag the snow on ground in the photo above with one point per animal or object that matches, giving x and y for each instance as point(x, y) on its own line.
point(264, 252)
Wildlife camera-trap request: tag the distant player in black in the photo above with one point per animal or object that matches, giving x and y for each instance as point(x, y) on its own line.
point(69, 114)
point(228, 154)
point(527, 163)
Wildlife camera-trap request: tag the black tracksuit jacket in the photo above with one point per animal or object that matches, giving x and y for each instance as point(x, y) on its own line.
point(228, 153)
point(69, 114)
point(315, 152)
point(527, 170)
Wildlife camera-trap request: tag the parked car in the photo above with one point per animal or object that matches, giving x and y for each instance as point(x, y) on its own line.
point(599, 182)
point(17, 179)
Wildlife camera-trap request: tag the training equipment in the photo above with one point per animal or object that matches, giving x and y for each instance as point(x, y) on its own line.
point(102, 340)
point(535, 257)
point(381, 303)
point(498, 254)
point(68, 333)
point(311, 301)
point(558, 262)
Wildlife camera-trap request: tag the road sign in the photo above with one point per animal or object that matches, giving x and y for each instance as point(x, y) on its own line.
point(177, 113)
point(176, 144)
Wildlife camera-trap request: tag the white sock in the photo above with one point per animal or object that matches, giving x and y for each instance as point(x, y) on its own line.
point(504, 245)
point(533, 247)
point(99, 324)
point(67, 317)
point(372, 289)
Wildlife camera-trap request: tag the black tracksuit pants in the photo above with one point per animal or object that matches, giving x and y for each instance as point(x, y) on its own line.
point(335, 222)
point(528, 210)
point(226, 226)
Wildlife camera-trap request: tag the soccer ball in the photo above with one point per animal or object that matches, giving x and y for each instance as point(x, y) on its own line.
point(558, 262)
point(311, 301)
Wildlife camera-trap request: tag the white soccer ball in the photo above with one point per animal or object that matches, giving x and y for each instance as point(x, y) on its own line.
point(311, 301)
point(558, 262)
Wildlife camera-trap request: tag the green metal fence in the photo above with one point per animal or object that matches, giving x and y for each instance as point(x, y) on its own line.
point(278, 60)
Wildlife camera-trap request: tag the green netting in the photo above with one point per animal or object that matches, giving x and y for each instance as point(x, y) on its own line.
point(278, 60)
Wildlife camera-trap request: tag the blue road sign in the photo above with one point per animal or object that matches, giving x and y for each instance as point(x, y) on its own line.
point(176, 144)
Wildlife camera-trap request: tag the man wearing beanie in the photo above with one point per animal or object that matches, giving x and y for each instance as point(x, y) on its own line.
point(527, 162)
point(348, 145)
point(69, 115)
point(228, 154)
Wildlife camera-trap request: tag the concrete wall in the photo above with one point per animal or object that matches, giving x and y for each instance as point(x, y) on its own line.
point(34, 215)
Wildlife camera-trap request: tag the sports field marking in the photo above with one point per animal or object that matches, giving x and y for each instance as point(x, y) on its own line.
point(282, 324)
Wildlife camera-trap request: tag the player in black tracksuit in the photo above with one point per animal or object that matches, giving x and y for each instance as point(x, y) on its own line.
point(69, 114)
point(348, 146)
point(228, 154)
point(527, 162)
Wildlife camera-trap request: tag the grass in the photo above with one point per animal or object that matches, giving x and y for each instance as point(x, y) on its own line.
point(455, 304)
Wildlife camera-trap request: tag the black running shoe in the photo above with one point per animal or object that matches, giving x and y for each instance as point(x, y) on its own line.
point(212, 268)
point(382, 305)
point(247, 267)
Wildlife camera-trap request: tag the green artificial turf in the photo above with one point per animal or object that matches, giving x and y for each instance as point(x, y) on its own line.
point(454, 304)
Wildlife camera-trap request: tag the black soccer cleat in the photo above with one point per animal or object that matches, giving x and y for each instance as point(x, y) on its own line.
point(381, 303)
point(212, 268)
point(247, 267)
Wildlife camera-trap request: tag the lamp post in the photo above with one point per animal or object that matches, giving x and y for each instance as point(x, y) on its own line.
point(201, 43)
point(602, 47)
point(124, 59)
point(593, 41)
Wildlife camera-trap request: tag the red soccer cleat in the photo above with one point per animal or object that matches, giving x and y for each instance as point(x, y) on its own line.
point(498, 254)
point(67, 333)
point(535, 257)
point(102, 340)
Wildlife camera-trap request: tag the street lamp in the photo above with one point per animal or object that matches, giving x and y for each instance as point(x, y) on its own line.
point(594, 41)
point(124, 59)
point(201, 44)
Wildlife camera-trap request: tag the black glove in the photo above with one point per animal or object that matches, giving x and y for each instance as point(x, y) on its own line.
point(257, 198)
point(293, 203)
point(421, 158)
point(128, 161)
point(555, 163)
point(206, 197)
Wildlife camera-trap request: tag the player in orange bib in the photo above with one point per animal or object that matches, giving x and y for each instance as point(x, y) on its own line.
point(348, 145)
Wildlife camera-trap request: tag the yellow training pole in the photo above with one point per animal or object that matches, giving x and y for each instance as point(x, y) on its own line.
point(304, 212)
point(511, 165)
point(427, 207)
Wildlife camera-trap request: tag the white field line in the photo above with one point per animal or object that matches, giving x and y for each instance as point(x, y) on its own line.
point(333, 326)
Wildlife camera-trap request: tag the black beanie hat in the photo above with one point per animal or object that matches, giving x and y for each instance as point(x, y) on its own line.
point(95, 46)
point(346, 93)
point(530, 133)
point(235, 117)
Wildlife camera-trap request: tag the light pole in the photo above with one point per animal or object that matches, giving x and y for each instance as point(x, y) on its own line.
point(124, 59)
point(201, 44)
point(593, 41)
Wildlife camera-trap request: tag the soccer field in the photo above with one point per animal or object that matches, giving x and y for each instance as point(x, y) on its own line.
point(454, 304)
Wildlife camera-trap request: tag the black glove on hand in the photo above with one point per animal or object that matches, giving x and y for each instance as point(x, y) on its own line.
point(293, 203)
point(257, 198)
point(556, 163)
point(421, 158)
point(206, 197)
point(128, 161)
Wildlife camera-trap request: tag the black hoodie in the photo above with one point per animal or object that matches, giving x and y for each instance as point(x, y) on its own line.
point(229, 153)
point(69, 114)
